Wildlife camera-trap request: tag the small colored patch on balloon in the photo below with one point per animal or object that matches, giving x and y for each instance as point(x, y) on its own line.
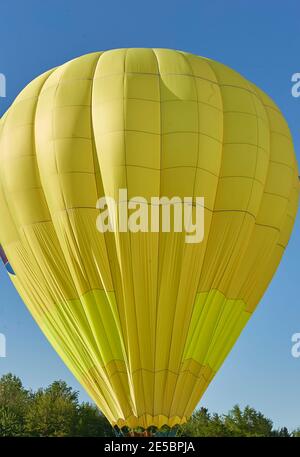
point(4, 259)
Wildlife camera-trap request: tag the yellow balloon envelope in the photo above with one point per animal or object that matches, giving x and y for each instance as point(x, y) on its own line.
point(144, 320)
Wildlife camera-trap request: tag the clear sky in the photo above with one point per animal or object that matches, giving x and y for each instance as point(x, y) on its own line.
point(260, 39)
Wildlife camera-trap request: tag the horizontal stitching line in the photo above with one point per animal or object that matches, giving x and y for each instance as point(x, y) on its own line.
point(243, 177)
point(201, 376)
point(276, 195)
point(65, 81)
point(282, 163)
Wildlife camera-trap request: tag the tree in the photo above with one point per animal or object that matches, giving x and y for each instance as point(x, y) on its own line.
point(296, 433)
point(237, 422)
point(90, 422)
point(53, 411)
point(282, 432)
point(202, 423)
point(14, 401)
point(247, 423)
point(56, 411)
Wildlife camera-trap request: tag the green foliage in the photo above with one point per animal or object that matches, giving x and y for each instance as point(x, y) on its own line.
point(202, 423)
point(236, 423)
point(56, 411)
point(296, 433)
point(247, 422)
point(283, 432)
point(53, 411)
point(14, 403)
point(90, 422)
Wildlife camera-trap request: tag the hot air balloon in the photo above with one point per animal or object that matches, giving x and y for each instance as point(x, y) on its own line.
point(144, 320)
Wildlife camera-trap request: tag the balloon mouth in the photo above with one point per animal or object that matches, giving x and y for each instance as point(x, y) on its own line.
point(5, 261)
point(159, 425)
point(152, 431)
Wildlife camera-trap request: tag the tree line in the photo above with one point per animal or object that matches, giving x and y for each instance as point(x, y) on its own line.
point(56, 411)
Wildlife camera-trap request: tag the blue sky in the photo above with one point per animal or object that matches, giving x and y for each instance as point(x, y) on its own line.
point(258, 39)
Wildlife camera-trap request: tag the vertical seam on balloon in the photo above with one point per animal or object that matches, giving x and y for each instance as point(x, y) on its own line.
point(129, 234)
point(207, 244)
point(118, 325)
point(122, 340)
point(18, 229)
point(56, 162)
point(49, 317)
point(220, 314)
point(95, 157)
point(94, 146)
point(244, 213)
point(71, 230)
point(253, 180)
point(204, 362)
point(68, 315)
point(221, 160)
point(232, 325)
point(154, 51)
point(185, 58)
point(294, 167)
point(221, 311)
point(63, 198)
point(94, 154)
point(132, 390)
point(218, 319)
point(38, 169)
point(95, 353)
point(256, 93)
point(2, 186)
